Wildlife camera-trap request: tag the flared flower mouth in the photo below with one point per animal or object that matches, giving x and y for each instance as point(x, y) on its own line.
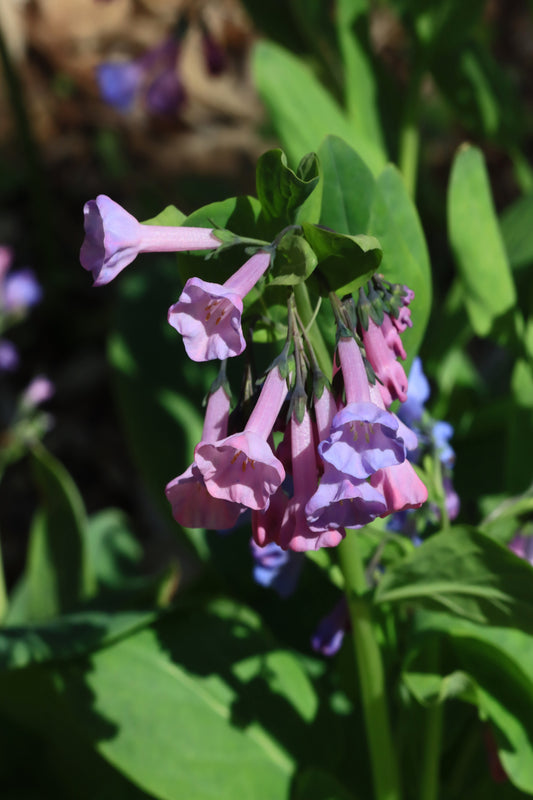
point(363, 439)
point(208, 316)
point(241, 468)
point(112, 239)
point(341, 503)
point(194, 507)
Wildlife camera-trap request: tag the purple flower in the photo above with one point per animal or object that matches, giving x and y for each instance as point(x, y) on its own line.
point(114, 238)
point(154, 74)
point(242, 468)
point(341, 502)
point(20, 291)
point(412, 409)
point(329, 635)
point(9, 357)
point(276, 568)
point(441, 433)
point(295, 532)
point(119, 82)
point(523, 547)
point(363, 437)
point(192, 505)
point(208, 315)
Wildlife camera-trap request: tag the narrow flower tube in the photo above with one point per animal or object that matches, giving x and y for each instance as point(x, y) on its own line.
point(390, 373)
point(192, 505)
point(208, 315)
point(295, 532)
point(242, 468)
point(114, 238)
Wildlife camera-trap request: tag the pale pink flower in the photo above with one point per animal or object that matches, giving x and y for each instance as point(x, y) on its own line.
point(192, 505)
point(114, 238)
point(242, 468)
point(390, 373)
point(208, 315)
point(400, 486)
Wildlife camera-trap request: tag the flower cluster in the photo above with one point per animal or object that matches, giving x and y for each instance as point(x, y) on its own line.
point(311, 455)
point(153, 80)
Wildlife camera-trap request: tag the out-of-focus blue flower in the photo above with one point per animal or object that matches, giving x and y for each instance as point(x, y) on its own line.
point(119, 83)
point(418, 393)
point(152, 78)
point(9, 357)
point(441, 433)
point(276, 568)
point(329, 634)
point(21, 290)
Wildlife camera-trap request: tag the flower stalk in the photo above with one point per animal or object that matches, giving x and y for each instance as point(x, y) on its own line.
point(367, 653)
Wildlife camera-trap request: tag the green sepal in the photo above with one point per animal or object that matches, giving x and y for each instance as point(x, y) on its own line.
point(363, 309)
point(281, 190)
point(345, 263)
point(376, 306)
point(298, 404)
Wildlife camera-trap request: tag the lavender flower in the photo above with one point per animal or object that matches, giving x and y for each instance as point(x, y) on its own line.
point(276, 568)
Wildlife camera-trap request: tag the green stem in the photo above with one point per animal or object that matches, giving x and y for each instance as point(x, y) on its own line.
point(3, 590)
point(409, 142)
point(371, 674)
point(430, 773)
point(305, 312)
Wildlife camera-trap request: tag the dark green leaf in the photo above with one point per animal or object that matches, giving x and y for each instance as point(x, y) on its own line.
point(345, 262)
point(202, 705)
point(476, 241)
point(57, 570)
point(517, 232)
point(301, 110)
point(468, 574)
point(280, 190)
point(65, 637)
point(294, 262)
point(315, 784)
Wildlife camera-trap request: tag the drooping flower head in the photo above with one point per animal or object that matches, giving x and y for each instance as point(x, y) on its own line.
point(208, 315)
point(192, 505)
point(114, 238)
point(242, 468)
point(363, 437)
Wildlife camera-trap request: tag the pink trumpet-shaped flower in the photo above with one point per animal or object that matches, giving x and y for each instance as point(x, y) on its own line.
point(295, 533)
point(192, 505)
point(341, 502)
point(383, 359)
point(400, 486)
point(266, 524)
point(242, 468)
point(208, 315)
point(363, 437)
point(114, 238)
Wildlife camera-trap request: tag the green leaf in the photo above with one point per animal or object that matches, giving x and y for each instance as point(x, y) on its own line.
point(66, 637)
point(169, 216)
point(348, 187)
point(57, 570)
point(517, 232)
point(345, 262)
point(294, 262)
point(476, 242)
point(280, 190)
point(360, 84)
point(495, 675)
point(114, 552)
point(301, 110)
point(202, 705)
point(354, 202)
point(395, 222)
point(239, 215)
point(468, 574)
